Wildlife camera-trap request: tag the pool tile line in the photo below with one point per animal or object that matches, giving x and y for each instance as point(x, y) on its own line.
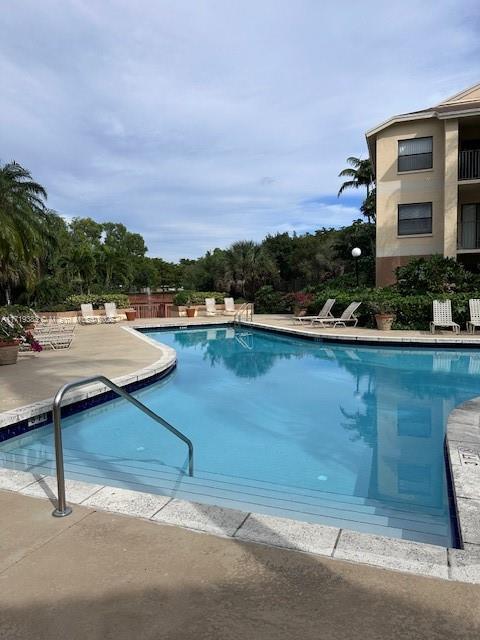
point(463, 449)
point(317, 334)
point(29, 417)
point(342, 544)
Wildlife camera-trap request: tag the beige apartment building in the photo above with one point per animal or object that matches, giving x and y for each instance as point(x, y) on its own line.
point(427, 169)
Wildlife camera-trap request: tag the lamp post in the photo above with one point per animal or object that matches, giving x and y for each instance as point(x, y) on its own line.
point(356, 253)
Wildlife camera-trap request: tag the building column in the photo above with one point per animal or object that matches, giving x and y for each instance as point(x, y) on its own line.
point(450, 197)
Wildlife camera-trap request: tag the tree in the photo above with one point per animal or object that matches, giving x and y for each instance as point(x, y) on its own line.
point(248, 267)
point(361, 175)
point(23, 233)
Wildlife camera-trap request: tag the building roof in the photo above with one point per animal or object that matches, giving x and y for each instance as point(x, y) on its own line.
point(465, 103)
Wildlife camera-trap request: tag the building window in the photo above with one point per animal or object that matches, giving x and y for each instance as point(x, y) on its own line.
point(414, 218)
point(469, 231)
point(415, 154)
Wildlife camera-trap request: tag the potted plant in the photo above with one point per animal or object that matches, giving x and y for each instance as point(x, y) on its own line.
point(186, 299)
point(191, 310)
point(131, 314)
point(12, 334)
point(384, 312)
point(301, 302)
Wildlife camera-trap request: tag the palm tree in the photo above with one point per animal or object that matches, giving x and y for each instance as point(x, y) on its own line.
point(22, 223)
point(248, 267)
point(361, 175)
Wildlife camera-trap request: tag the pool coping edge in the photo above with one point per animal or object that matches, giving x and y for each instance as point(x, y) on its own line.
point(39, 413)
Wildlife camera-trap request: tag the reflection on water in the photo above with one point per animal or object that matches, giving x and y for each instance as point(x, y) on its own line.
point(401, 402)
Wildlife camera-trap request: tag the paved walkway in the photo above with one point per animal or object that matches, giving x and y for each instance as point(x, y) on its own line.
point(101, 576)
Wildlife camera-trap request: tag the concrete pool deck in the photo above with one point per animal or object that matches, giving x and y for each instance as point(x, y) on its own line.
point(103, 576)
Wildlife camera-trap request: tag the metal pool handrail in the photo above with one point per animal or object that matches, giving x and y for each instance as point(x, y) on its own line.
point(62, 508)
point(245, 310)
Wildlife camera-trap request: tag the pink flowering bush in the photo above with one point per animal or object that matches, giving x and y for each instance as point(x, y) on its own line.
point(12, 331)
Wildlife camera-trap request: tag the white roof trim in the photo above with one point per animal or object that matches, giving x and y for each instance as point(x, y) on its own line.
point(459, 95)
point(401, 118)
point(462, 111)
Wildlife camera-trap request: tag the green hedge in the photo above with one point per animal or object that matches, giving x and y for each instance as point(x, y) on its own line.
point(187, 297)
point(16, 310)
point(267, 300)
point(411, 311)
point(98, 300)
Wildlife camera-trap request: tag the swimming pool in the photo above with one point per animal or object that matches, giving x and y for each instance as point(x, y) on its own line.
point(321, 432)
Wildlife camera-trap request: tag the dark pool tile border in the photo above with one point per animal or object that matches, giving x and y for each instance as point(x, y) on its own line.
point(462, 443)
point(25, 426)
point(372, 341)
point(25, 419)
point(182, 327)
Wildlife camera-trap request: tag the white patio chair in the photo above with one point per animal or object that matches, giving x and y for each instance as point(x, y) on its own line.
point(56, 341)
point(111, 314)
point(442, 362)
point(51, 338)
point(229, 307)
point(211, 309)
point(474, 365)
point(347, 317)
point(474, 321)
point(442, 316)
point(325, 312)
point(87, 317)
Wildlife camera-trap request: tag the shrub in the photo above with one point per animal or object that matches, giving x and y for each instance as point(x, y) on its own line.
point(411, 311)
point(435, 274)
point(187, 297)
point(97, 300)
point(267, 300)
point(58, 307)
point(120, 299)
point(16, 310)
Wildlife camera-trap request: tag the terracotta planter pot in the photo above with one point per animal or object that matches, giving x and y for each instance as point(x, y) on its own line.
point(191, 312)
point(384, 321)
point(8, 352)
point(131, 314)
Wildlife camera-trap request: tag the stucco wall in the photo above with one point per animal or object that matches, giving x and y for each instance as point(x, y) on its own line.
point(394, 188)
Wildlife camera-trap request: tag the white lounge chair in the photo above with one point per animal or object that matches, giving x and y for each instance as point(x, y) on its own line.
point(88, 317)
point(325, 312)
point(347, 317)
point(474, 321)
point(53, 329)
point(55, 341)
point(229, 307)
point(210, 307)
point(51, 337)
point(111, 314)
point(442, 316)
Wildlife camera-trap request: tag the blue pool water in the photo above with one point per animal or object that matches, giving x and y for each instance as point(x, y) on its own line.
point(347, 436)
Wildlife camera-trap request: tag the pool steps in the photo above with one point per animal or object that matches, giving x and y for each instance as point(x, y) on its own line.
point(399, 519)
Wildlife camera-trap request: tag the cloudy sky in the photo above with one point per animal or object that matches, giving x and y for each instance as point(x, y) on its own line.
point(200, 122)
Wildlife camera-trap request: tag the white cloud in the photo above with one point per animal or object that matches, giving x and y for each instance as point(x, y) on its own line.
point(199, 123)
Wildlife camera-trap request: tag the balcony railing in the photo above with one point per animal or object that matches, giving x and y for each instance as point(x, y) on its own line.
point(469, 165)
